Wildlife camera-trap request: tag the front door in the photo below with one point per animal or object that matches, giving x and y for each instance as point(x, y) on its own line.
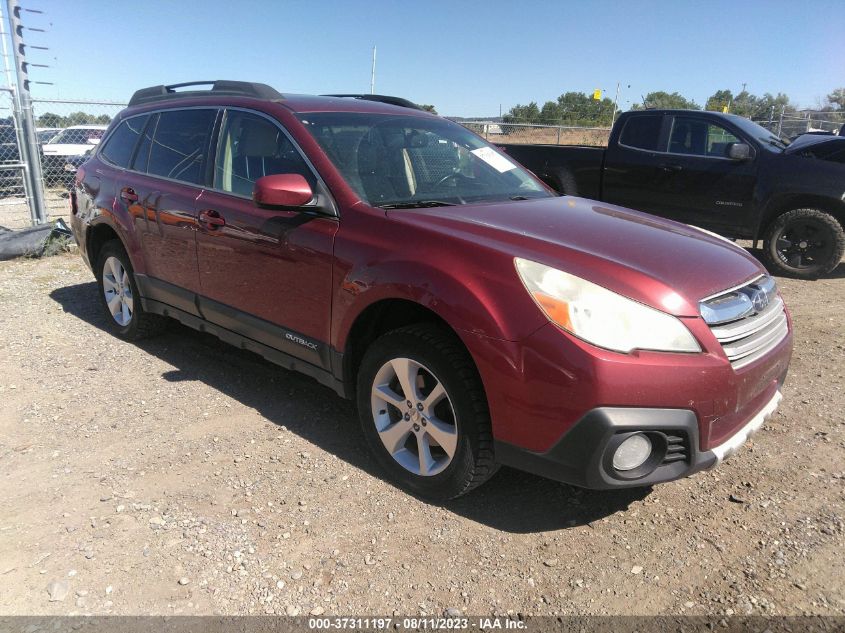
point(703, 186)
point(264, 273)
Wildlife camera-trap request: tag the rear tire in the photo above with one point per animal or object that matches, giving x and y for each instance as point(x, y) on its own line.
point(804, 243)
point(120, 298)
point(441, 413)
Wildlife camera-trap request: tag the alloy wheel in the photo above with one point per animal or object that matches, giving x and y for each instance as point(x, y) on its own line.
point(118, 291)
point(804, 244)
point(414, 417)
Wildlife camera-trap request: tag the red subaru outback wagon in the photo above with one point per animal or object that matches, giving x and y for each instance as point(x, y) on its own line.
point(476, 317)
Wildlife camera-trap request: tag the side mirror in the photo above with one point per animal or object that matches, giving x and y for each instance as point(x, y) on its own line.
point(739, 151)
point(282, 190)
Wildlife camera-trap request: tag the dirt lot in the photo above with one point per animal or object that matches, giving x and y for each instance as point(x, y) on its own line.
point(182, 476)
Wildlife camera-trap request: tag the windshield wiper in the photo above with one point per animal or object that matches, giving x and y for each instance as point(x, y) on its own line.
point(416, 204)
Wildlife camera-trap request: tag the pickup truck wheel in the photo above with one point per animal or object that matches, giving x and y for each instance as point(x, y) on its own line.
point(424, 414)
point(804, 243)
point(120, 298)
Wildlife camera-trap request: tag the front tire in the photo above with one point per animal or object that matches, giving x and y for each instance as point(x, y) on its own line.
point(120, 298)
point(424, 413)
point(804, 243)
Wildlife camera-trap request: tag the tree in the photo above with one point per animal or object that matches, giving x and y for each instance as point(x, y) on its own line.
point(570, 108)
point(749, 105)
point(719, 100)
point(428, 108)
point(662, 100)
point(836, 99)
point(523, 114)
point(50, 119)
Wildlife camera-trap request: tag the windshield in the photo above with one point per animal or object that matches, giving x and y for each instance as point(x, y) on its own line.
point(77, 136)
point(759, 132)
point(396, 161)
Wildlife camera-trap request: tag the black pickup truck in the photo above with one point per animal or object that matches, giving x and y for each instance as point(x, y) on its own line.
point(716, 171)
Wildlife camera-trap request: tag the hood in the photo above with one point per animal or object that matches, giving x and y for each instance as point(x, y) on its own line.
point(665, 264)
point(807, 141)
point(65, 149)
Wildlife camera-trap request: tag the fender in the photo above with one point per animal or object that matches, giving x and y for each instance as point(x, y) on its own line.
point(498, 307)
point(783, 202)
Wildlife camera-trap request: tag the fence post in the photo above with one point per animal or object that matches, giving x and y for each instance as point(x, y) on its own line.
point(30, 141)
point(780, 121)
point(558, 135)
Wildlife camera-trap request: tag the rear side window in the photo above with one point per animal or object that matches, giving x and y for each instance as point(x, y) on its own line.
point(642, 132)
point(180, 145)
point(142, 154)
point(121, 144)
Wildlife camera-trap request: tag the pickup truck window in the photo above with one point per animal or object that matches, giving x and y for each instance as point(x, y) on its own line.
point(397, 161)
point(642, 132)
point(696, 137)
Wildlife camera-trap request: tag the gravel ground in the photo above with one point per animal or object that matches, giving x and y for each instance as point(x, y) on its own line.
point(183, 476)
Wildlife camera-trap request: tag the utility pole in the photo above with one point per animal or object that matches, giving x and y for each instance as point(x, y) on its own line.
point(615, 101)
point(373, 74)
point(29, 147)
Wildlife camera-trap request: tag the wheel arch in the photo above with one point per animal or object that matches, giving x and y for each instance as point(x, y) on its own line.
point(97, 236)
point(378, 318)
point(786, 203)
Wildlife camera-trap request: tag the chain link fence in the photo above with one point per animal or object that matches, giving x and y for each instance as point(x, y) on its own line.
point(67, 130)
point(792, 124)
point(533, 133)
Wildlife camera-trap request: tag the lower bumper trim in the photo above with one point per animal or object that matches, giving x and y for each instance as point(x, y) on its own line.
point(579, 457)
point(729, 447)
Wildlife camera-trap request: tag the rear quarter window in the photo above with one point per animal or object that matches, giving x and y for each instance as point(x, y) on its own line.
point(642, 132)
point(180, 145)
point(120, 145)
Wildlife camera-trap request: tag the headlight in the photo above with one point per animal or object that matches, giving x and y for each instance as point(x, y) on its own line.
point(602, 317)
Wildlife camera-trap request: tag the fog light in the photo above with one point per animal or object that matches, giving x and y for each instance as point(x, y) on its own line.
point(633, 452)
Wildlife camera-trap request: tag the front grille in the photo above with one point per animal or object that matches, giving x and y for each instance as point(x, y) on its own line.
point(748, 321)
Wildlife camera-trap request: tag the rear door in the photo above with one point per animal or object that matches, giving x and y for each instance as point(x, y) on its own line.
point(264, 273)
point(168, 172)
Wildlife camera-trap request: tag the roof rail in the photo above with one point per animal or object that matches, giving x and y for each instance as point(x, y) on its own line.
point(221, 87)
point(397, 101)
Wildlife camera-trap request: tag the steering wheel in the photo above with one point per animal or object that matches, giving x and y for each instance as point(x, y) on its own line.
point(452, 176)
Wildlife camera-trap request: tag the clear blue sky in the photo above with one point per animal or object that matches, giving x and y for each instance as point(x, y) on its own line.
point(466, 58)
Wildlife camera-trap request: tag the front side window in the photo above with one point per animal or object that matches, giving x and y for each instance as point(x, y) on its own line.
point(252, 147)
point(394, 160)
point(180, 144)
point(642, 131)
point(697, 137)
point(121, 143)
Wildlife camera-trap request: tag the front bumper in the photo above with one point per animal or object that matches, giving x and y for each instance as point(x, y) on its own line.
point(583, 457)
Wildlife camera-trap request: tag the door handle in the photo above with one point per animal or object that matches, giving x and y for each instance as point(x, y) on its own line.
point(128, 195)
point(670, 167)
point(211, 219)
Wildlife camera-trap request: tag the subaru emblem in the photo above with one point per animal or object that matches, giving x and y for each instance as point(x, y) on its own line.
point(759, 299)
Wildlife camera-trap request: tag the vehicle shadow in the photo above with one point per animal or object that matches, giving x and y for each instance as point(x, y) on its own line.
point(512, 501)
point(836, 273)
